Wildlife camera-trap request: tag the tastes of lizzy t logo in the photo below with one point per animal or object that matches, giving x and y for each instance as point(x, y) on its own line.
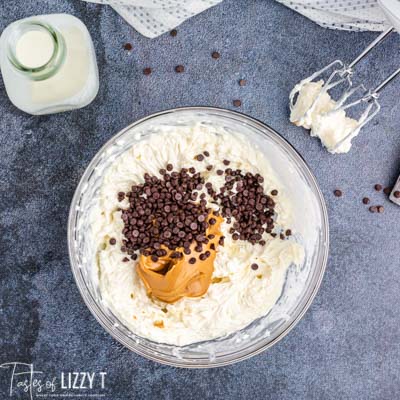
point(23, 381)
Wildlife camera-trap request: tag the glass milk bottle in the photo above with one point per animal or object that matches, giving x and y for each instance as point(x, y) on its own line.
point(48, 64)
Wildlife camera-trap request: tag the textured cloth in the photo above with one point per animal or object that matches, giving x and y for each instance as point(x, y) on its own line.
point(154, 17)
point(365, 15)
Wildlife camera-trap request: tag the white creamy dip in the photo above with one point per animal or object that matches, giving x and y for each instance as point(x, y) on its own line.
point(238, 294)
point(331, 125)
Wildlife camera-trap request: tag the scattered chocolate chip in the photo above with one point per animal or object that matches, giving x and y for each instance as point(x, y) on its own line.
point(209, 167)
point(179, 68)
point(220, 172)
point(113, 241)
point(147, 71)
point(373, 209)
point(242, 82)
point(226, 162)
point(288, 232)
point(274, 192)
point(338, 193)
point(206, 153)
point(282, 236)
point(134, 257)
point(215, 55)
point(199, 157)
point(170, 167)
point(237, 103)
point(128, 46)
point(173, 33)
point(192, 260)
point(378, 187)
point(396, 194)
point(125, 259)
point(381, 209)
point(254, 267)
point(387, 190)
point(366, 200)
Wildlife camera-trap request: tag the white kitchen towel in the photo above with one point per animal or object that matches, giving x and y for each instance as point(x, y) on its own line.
point(154, 17)
point(360, 15)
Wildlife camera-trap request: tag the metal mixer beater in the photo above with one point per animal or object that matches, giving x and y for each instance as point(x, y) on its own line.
point(340, 80)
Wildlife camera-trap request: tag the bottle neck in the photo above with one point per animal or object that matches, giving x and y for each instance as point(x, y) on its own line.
point(32, 36)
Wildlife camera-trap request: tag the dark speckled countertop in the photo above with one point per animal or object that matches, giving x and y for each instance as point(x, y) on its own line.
point(348, 344)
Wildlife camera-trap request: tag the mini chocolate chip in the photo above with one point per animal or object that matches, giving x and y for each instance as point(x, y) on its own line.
point(173, 33)
point(170, 167)
point(254, 267)
point(128, 46)
point(373, 209)
point(378, 187)
point(288, 232)
point(396, 194)
point(274, 192)
point(199, 157)
point(209, 167)
point(206, 153)
point(226, 162)
point(387, 190)
point(215, 55)
point(179, 68)
point(113, 241)
point(154, 258)
point(212, 221)
point(220, 172)
point(242, 82)
point(147, 71)
point(338, 193)
point(237, 103)
point(381, 209)
point(125, 259)
point(366, 200)
point(192, 260)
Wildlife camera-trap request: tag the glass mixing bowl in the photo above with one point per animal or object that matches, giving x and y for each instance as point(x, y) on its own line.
point(301, 285)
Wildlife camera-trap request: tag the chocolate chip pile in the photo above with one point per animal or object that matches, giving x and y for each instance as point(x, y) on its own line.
point(166, 211)
point(242, 197)
point(169, 212)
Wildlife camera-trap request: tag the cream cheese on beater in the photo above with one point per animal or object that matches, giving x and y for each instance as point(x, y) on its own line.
point(329, 124)
point(237, 295)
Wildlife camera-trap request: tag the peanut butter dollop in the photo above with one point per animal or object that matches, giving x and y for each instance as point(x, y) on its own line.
point(170, 279)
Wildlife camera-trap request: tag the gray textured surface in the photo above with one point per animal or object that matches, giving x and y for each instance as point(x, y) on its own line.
point(346, 347)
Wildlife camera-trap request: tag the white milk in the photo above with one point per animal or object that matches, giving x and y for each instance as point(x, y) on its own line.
point(48, 64)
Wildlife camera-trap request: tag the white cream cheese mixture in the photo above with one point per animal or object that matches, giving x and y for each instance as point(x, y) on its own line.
point(331, 126)
point(238, 294)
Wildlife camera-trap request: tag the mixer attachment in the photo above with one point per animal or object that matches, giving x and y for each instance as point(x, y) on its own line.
point(328, 102)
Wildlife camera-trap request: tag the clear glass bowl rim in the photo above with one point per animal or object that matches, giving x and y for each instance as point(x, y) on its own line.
point(98, 313)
